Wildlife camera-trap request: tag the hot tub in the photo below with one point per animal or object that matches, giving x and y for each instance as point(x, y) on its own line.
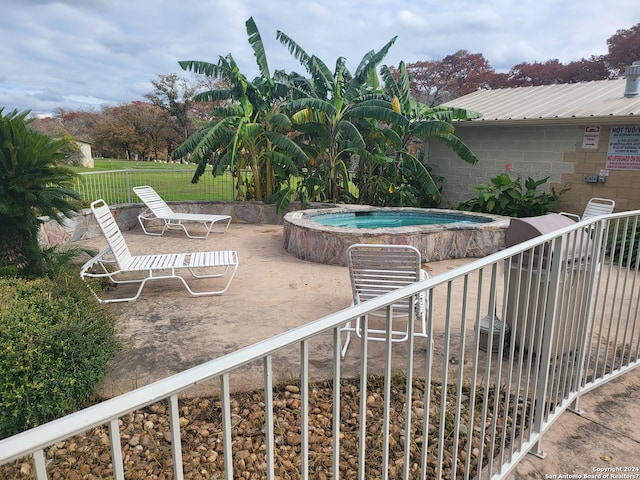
point(322, 235)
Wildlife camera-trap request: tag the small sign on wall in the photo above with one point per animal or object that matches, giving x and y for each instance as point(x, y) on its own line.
point(623, 152)
point(591, 138)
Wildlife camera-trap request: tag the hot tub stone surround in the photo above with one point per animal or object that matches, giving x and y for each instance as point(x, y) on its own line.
point(309, 240)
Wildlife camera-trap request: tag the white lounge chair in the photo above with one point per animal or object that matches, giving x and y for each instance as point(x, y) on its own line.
point(117, 265)
point(379, 269)
point(595, 207)
point(157, 208)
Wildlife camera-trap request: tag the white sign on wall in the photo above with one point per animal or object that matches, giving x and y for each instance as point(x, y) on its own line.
point(591, 138)
point(624, 148)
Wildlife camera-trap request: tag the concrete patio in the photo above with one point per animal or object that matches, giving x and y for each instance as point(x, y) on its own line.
point(167, 331)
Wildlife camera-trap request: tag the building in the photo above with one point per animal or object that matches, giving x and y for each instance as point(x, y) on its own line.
point(86, 160)
point(584, 136)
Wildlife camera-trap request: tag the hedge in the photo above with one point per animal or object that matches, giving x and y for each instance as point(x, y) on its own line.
point(55, 345)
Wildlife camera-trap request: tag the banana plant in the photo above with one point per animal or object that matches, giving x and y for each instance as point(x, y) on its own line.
point(392, 173)
point(328, 110)
point(248, 129)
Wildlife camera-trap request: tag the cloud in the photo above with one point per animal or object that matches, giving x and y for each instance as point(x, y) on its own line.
point(74, 53)
point(409, 19)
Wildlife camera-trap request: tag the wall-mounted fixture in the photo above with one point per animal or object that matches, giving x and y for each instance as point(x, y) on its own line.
point(595, 178)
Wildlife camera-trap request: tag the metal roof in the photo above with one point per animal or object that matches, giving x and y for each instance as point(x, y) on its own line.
point(602, 101)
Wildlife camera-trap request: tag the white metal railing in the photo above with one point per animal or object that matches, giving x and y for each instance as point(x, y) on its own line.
point(115, 186)
point(469, 402)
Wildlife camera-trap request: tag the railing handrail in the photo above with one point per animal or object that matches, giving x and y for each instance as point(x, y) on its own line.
point(40, 437)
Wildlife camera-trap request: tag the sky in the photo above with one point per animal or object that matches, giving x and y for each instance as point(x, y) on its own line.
point(83, 54)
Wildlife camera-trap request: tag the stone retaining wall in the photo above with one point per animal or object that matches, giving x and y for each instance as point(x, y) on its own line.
point(83, 224)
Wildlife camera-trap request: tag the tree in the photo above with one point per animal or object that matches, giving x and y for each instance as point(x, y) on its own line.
point(585, 70)
point(329, 113)
point(248, 129)
point(391, 172)
point(427, 85)
point(175, 95)
point(52, 127)
point(624, 49)
point(32, 184)
point(465, 72)
point(537, 73)
point(438, 81)
point(115, 135)
point(78, 123)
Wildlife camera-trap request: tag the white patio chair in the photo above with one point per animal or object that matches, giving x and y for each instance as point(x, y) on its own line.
point(595, 206)
point(379, 269)
point(117, 265)
point(157, 208)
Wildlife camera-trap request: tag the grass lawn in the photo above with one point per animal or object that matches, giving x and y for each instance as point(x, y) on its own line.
point(113, 181)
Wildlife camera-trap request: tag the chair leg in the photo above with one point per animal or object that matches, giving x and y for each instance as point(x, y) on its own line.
point(347, 341)
point(179, 225)
point(142, 218)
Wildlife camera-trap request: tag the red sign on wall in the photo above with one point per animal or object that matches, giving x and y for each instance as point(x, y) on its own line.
point(624, 148)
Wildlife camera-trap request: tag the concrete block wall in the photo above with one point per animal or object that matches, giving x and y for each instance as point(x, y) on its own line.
point(623, 186)
point(534, 151)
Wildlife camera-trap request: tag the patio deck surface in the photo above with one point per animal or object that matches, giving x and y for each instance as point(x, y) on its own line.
point(166, 331)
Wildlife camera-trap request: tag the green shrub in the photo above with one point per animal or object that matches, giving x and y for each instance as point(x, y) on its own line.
point(55, 344)
point(509, 197)
point(623, 244)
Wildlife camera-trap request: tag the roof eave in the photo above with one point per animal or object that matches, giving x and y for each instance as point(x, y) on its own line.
point(518, 122)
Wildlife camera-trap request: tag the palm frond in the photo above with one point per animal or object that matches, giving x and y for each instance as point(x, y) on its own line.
point(258, 49)
point(348, 131)
point(448, 114)
point(458, 146)
point(296, 50)
point(202, 68)
point(430, 128)
point(322, 76)
point(380, 113)
point(366, 71)
point(214, 95)
point(204, 142)
point(392, 89)
point(314, 104)
point(404, 87)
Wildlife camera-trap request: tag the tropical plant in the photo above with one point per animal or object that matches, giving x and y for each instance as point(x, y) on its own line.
point(392, 173)
point(32, 184)
point(248, 130)
point(510, 197)
point(623, 243)
point(331, 111)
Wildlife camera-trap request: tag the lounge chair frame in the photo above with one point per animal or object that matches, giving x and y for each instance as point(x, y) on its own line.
point(595, 207)
point(117, 265)
point(375, 270)
point(158, 209)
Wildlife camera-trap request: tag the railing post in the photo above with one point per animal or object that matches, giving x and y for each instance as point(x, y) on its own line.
point(593, 265)
point(129, 187)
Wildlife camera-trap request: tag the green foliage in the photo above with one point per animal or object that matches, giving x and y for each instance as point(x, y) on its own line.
point(510, 197)
point(624, 244)
point(299, 135)
point(32, 184)
point(55, 343)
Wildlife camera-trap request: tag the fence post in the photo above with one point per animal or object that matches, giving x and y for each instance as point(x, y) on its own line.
point(128, 182)
point(597, 233)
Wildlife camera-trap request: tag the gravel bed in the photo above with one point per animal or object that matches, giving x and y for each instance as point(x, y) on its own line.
point(147, 443)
